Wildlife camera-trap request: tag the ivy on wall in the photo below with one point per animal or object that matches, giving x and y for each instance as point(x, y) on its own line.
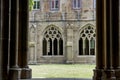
point(31, 3)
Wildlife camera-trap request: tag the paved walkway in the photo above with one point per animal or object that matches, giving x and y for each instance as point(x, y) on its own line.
point(58, 79)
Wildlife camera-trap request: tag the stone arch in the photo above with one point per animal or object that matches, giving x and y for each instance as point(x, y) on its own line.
point(54, 41)
point(83, 27)
point(87, 40)
point(52, 25)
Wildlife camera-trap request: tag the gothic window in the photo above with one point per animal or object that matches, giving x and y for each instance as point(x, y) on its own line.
point(76, 4)
point(36, 5)
point(52, 42)
point(87, 41)
point(54, 5)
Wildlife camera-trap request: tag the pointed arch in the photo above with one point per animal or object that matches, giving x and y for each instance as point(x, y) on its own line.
point(87, 40)
point(52, 25)
point(55, 41)
point(86, 25)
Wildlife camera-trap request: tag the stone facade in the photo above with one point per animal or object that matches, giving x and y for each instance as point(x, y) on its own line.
point(66, 35)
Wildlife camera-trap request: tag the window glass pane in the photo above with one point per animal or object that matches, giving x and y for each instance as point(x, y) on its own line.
point(38, 4)
point(52, 3)
point(92, 43)
point(94, 3)
point(79, 3)
point(74, 4)
point(34, 7)
point(56, 4)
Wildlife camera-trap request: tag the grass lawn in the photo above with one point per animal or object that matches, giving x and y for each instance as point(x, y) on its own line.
point(62, 71)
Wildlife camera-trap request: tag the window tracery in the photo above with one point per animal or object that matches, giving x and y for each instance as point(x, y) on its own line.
point(87, 41)
point(52, 42)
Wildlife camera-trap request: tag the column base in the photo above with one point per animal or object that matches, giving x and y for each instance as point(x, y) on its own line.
point(26, 73)
point(109, 74)
point(3, 73)
point(97, 74)
point(14, 73)
point(117, 74)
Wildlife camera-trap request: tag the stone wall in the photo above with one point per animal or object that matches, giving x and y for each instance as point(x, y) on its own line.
point(69, 22)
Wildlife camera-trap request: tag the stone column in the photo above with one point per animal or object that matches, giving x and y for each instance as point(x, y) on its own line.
point(99, 41)
point(23, 39)
point(115, 37)
point(4, 38)
point(107, 55)
point(1, 5)
point(117, 55)
point(14, 71)
point(108, 25)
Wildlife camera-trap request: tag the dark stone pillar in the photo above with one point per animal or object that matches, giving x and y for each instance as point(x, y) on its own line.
point(1, 5)
point(109, 27)
point(100, 47)
point(23, 39)
point(4, 35)
point(14, 71)
point(116, 38)
point(0, 39)
point(108, 32)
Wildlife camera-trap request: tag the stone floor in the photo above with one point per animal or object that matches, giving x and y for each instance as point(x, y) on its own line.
point(58, 79)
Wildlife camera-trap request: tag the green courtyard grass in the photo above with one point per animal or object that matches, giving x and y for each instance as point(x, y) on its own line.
point(62, 70)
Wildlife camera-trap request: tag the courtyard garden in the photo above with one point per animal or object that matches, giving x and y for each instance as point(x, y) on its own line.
point(62, 70)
